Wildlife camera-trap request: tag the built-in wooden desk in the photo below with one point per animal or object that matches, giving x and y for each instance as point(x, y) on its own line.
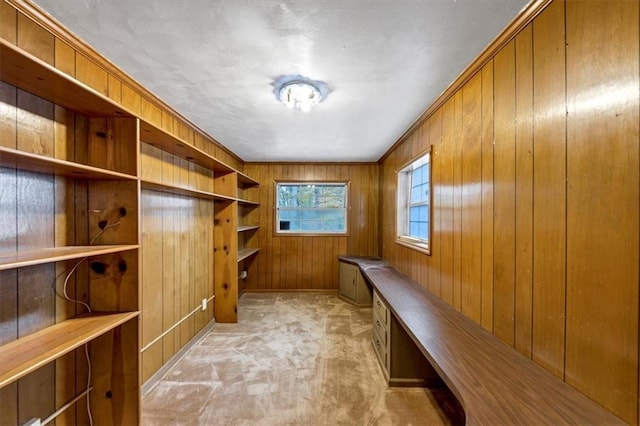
point(494, 384)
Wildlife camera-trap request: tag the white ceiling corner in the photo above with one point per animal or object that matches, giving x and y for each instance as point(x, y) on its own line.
point(385, 62)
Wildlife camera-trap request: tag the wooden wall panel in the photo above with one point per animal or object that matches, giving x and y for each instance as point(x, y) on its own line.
point(457, 200)
point(559, 213)
point(293, 263)
point(152, 314)
point(65, 57)
point(524, 191)
point(35, 39)
point(8, 115)
point(549, 195)
point(446, 198)
point(178, 230)
point(92, 74)
point(602, 202)
point(504, 194)
point(487, 197)
point(35, 124)
point(471, 207)
point(435, 141)
point(8, 22)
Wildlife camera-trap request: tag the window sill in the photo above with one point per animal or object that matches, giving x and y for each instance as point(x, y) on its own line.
point(421, 247)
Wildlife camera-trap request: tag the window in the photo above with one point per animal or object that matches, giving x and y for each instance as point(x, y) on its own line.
point(414, 204)
point(311, 207)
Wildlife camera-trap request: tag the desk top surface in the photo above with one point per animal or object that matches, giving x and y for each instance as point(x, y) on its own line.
point(493, 383)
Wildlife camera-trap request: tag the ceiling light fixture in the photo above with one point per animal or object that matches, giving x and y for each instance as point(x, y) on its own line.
point(296, 91)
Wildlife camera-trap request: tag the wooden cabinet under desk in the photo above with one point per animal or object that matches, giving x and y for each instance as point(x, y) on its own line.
point(353, 287)
point(402, 362)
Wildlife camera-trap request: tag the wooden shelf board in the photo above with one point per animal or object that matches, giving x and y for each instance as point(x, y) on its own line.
point(25, 355)
point(157, 137)
point(245, 228)
point(20, 259)
point(33, 75)
point(41, 164)
point(247, 203)
point(246, 181)
point(246, 252)
point(178, 190)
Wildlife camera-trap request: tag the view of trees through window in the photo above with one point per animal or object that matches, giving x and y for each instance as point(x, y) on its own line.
point(311, 207)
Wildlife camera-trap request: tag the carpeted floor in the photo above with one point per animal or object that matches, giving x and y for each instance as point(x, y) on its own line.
point(292, 359)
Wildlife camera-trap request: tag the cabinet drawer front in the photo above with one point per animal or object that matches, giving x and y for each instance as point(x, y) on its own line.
point(380, 351)
point(379, 328)
point(381, 309)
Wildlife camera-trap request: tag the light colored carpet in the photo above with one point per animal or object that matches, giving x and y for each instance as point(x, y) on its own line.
point(292, 359)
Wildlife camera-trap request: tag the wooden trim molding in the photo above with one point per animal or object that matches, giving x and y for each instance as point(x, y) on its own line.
point(49, 23)
point(524, 18)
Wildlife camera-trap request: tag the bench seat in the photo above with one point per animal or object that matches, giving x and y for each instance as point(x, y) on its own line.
point(494, 384)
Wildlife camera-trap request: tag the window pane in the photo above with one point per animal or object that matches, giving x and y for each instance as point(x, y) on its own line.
point(311, 207)
point(414, 199)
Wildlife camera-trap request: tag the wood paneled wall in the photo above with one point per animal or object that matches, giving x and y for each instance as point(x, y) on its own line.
point(177, 257)
point(536, 198)
point(310, 263)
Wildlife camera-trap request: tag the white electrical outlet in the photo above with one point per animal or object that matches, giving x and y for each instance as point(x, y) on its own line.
point(33, 422)
point(204, 304)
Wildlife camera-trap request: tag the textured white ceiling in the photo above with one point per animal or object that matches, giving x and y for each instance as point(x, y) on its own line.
point(385, 61)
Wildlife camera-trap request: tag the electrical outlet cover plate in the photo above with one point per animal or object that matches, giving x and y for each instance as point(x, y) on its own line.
point(204, 304)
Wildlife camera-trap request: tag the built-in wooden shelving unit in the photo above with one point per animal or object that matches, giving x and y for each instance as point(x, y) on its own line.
point(27, 354)
point(86, 150)
point(89, 168)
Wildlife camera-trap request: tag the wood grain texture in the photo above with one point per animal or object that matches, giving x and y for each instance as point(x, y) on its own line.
point(151, 297)
point(35, 125)
point(549, 195)
point(457, 200)
point(35, 39)
point(487, 197)
point(304, 263)
point(65, 57)
point(435, 267)
point(602, 231)
point(8, 115)
point(225, 258)
point(8, 22)
point(493, 383)
point(446, 240)
point(471, 208)
point(92, 74)
point(504, 194)
point(524, 191)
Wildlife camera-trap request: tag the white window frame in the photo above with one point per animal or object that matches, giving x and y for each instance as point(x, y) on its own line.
point(403, 202)
point(311, 233)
